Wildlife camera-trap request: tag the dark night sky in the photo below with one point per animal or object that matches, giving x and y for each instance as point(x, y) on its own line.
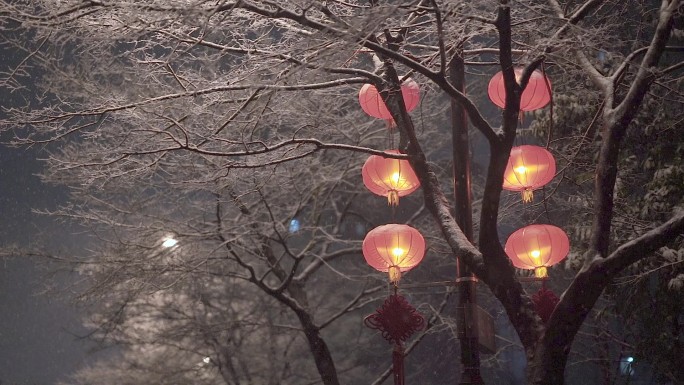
point(38, 342)
point(38, 333)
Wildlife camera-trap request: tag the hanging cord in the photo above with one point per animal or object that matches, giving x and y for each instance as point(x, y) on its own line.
point(520, 137)
point(546, 207)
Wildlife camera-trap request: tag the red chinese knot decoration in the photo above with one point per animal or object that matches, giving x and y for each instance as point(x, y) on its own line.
point(535, 96)
point(528, 168)
point(392, 178)
point(373, 105)
point(536, 247)
point(397, 320)
point(545, 302)
point(394, 249)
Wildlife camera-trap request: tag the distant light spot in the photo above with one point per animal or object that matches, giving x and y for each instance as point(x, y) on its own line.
point(169, 242)
point(294, 225)
point(627, 366)
point(601, 56)
point(206, 360)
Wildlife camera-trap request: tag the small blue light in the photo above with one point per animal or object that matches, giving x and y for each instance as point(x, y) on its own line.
point(294, 225)
point(626, 366)
point(602, 56)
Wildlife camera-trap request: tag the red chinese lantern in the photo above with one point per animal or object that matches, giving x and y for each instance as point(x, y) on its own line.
point(537, 247)
point(389, 177)
point(535, 96)
point(394, 249)
point(529, 168)
point(373, 105)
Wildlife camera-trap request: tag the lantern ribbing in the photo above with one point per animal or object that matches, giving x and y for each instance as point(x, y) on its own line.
point(392, 178)
point(536, 247)
point(535, 95)
point(373, 105)
point(393, 248)
point(529, 168)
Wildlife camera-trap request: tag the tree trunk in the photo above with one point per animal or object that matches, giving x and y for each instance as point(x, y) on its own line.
point(546, 364)
point(319, 349)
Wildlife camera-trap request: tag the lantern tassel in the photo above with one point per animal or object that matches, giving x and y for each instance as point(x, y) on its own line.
point(393, 198)
point(398, 364)
point(541, 272)
point(394, 274)
point(527, 196)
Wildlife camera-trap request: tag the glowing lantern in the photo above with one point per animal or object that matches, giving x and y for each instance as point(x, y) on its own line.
point(535, 96)
point(373, 105)
point(388, 177)
point(393, 249)
point(529, 168)
point(537, 247)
